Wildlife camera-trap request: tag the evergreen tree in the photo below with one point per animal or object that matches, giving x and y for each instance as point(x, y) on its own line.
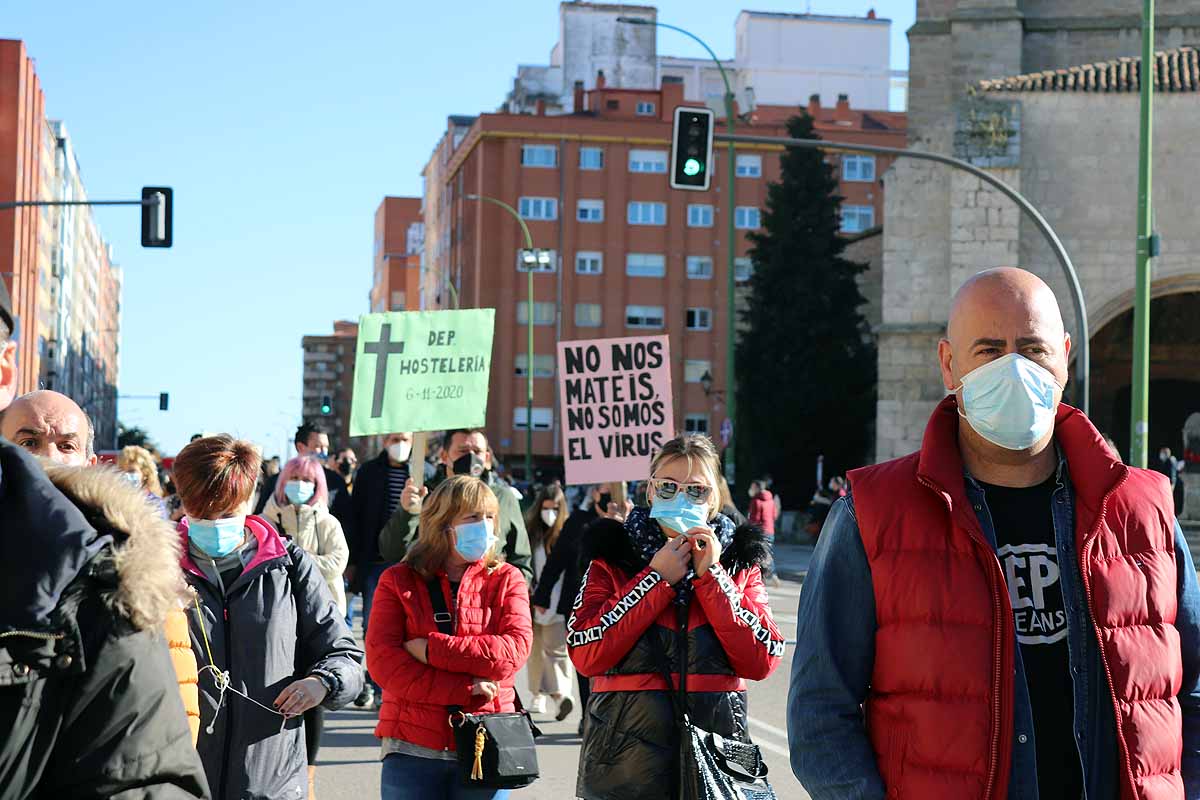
point(806, 363)
point(134, 436)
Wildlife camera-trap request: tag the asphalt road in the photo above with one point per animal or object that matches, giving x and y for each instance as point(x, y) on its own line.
point(348, 766)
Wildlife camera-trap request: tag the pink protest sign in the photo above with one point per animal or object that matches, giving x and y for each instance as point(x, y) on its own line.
point(616, 406)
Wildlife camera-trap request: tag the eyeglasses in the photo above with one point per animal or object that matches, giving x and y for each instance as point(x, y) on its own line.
point(666, 490)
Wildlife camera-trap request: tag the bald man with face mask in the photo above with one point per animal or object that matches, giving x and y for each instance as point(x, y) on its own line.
point(1010, 612)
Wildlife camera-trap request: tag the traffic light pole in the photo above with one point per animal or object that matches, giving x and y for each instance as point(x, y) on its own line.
point(1140, 386)
point(1081, 343)
point(529, 313)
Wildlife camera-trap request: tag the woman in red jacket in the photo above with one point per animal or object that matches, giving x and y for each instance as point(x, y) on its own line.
point(422, 671)
point(678, 566)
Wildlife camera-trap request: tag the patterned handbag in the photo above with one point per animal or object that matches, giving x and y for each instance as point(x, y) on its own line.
point(711, 766)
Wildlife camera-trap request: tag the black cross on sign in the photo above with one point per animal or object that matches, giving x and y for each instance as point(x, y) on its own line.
point(382, 349)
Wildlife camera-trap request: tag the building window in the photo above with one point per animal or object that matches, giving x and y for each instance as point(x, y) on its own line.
point(748, 166)
point(397, 301)
point(700, 216)
point(858, 168)
point(539, 155)
point(590, 211)
point(699, 319)
point(591, 158)
point(543, 313)
point(647, 213)
point(694, 370)
point(544, 261)
point(538, 207)
point(699, 267)
point(543, 366)
point(589, 262)
point(587, 315)
point(856, 219)
point(746, 217)
point(543, 418)
point(695, 423)
point(645, 265)
point(644, 316)
point(645, 109)
point(743, 269)
point(648, 161)
point(612, 105)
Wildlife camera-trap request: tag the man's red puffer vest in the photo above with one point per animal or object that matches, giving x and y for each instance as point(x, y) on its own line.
point(939, 713)
point(493, 634)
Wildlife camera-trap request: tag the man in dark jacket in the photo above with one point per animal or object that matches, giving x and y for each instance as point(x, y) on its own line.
point(464, 452)
point(89, 704)
point(312, 440)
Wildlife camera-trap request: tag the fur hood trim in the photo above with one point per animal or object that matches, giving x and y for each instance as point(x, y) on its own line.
point(145, 549)
point(607, 540)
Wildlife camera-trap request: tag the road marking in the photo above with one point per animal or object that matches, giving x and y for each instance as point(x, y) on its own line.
point(771, 729)
point(774, 748)
point(788, 618)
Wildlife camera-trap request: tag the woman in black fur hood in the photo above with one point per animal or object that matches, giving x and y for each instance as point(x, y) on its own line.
point(679, 566)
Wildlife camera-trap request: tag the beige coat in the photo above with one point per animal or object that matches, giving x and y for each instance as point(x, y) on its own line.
point(320, 535)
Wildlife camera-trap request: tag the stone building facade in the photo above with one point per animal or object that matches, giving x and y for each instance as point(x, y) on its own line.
point(979, 89)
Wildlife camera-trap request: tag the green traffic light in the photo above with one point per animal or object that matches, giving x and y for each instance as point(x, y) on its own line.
point(692, 167)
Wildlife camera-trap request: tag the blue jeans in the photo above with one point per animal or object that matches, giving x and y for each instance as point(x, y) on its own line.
point(412, 778)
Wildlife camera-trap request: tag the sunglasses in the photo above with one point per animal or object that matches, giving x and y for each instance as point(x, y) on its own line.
point(666, 490)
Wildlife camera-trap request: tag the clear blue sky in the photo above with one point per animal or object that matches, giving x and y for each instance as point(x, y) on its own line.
point(281, 127)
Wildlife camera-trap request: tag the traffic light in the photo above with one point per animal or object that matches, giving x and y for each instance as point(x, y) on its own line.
point(692, 149)
point(156, 216)
point(326, 405)
point(163, 401)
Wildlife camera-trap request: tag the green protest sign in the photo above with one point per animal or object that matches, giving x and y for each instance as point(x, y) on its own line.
point(421, 371)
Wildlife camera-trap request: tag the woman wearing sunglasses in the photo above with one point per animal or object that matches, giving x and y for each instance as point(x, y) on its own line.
point(678, 565)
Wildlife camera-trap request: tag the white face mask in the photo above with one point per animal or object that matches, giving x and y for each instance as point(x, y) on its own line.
point(549, 516)
point(400, 451)
point(1010, 401)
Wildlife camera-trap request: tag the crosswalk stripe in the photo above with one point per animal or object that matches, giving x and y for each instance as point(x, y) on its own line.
point(771, 729)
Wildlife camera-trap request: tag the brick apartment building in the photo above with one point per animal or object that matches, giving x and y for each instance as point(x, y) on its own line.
point(399, 245)
point(329, 378)
point(630, 256)
point(56, 264)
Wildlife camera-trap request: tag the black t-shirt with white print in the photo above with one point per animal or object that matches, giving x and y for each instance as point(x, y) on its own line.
point(1029, 557)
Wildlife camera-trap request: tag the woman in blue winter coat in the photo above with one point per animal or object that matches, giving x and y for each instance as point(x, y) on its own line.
point(270, 641)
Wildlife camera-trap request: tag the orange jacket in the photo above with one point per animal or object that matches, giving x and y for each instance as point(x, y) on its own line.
point(184, 660)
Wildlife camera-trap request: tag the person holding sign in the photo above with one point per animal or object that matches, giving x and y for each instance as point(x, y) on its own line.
point(464, 452)
point(674, 580)
point(424, 671)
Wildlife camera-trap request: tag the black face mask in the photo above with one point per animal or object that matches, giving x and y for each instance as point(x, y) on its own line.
point(602, 504)
point(470, 464)
point(345, 468)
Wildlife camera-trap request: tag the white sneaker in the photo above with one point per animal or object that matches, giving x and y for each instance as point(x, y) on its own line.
point(538, 705)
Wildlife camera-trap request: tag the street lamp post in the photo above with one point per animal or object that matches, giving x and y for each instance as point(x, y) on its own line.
point(530, 259)
point(731, 252)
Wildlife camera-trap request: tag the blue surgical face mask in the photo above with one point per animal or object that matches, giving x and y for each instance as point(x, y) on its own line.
point(217, 537)
point(299, 492)
point(472, 540)
point(1010, 401)
point(679, 513)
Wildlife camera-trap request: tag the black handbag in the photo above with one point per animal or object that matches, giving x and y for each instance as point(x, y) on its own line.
point(711, 766)
point(495, 751)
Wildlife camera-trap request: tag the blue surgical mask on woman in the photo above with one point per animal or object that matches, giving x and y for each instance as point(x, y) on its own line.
point(217, 537)
point(299, 492)
point(472, 540)
point(679, 513)
point(1009, 401)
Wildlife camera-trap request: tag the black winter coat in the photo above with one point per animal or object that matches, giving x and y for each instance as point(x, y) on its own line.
point(566, 559)
point(276, 623)
point(89, 700)
point(626, 622)
point(368, 513)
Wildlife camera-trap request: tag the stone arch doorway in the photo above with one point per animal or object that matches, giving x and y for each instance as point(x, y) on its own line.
point(1174, 372)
